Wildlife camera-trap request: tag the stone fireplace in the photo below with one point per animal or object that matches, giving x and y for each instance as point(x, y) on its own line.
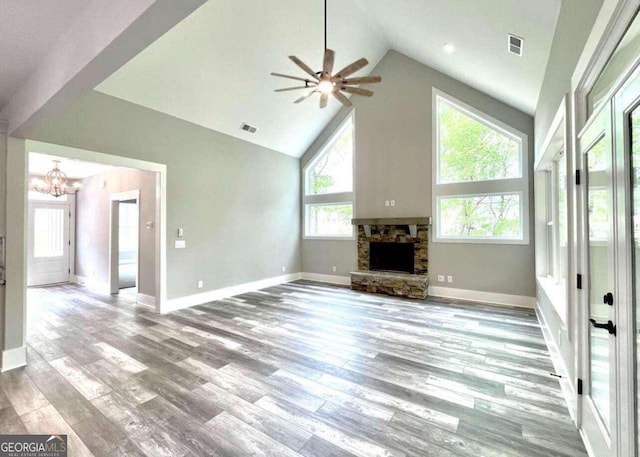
point(392, 257)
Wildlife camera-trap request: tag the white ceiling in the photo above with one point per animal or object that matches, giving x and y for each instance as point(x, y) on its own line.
point(28, 30)
point(478, 29)
point(213, 68)
point(41, 164)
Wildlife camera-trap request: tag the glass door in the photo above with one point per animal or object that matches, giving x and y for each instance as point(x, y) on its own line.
point(599, 328)
point(627, 134)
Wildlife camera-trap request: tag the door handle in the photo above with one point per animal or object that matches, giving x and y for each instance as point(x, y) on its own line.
point(608, 299)
point(609, 326)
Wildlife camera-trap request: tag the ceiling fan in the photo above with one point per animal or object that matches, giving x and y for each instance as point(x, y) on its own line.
point(325, 82)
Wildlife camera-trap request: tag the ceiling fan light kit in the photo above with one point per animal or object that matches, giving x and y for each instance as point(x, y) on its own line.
point(325, 82)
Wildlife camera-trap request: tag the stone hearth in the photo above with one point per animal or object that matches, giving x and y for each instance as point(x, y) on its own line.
point(397, 230)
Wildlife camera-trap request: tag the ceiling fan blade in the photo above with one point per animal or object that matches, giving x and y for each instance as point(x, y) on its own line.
point(304, 66)
point(363, 80)
point(357, 91)
point(280, 75)
point(329, 57)
point(352, 68)
point(291, 88)
point(342, 99)
point(304, 97)
point(324, 98)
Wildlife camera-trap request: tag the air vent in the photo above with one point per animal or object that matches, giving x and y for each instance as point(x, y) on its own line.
point(248, 128)
point(515, 45)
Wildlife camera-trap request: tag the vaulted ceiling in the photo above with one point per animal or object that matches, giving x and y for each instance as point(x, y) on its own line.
point(28, 30)
point(212, 69)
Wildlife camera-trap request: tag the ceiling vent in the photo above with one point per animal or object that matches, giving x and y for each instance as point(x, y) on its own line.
point(248, 128)
point(515, 45)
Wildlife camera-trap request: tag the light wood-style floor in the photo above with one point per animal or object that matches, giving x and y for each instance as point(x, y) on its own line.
point(301, 369)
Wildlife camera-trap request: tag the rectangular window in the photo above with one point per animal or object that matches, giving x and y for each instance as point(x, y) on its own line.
point(330, 220)
point(328, 187)
point(493, 216)
point(480, 180)
point(49, 237)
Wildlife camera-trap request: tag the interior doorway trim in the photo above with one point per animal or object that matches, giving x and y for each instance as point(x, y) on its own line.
point(160, 222)
point(114, 238)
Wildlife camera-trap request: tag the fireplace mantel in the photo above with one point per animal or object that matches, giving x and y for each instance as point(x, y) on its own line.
point(412, 222)
point(393, 221)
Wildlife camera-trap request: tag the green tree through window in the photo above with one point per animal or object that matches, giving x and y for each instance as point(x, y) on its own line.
point(331, 173)
point(473, 150)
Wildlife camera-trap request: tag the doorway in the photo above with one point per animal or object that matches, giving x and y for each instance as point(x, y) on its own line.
point(128, 244)
point(610, 151)
point(124, 261)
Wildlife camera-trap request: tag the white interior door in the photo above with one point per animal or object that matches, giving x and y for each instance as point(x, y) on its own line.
point(599, 410)
point(49, 241)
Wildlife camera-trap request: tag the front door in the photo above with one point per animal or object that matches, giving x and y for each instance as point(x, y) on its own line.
point(49, 240)
point(599, 416)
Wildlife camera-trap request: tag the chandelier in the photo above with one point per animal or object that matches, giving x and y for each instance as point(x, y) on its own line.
point(55, 183)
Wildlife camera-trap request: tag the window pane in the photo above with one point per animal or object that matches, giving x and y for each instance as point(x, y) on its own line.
point(48, 234)
point(332, 171)
point(623, 57)
point(469, 150)
point(330, 220)
point(480, 216)
point(563, 220)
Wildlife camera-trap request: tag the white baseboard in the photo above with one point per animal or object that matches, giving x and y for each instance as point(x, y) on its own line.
point(14, 358)
point(146, 300)
point(76, 279)
point(93, 284)
point(331, 279)
point(212, 295)
point(566, 384)
point(483, 297)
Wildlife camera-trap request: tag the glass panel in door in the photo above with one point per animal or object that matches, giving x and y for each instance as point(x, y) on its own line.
point(601, 280)
point(635, 220)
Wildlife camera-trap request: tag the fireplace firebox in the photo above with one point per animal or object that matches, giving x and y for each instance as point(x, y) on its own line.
point(393, 257)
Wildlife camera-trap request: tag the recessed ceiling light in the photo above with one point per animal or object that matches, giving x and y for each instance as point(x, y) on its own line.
point(449, 48)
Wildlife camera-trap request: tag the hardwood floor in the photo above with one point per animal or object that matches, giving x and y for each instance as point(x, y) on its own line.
point(301, 369)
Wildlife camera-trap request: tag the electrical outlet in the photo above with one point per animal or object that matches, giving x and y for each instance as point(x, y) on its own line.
point(284, 268)
point(334, 269)
point(449, 278)
point(440, 278)
point(386, 203)
point(200, 284)
point(393, 203)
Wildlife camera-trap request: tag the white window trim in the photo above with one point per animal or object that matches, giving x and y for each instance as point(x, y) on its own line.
point(309, 199)
point(494, 186)
point(550, 279)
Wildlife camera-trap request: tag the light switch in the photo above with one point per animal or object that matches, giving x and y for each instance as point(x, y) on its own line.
point(180, 244)
point(386, 203)
point(393, 203)
point(180, 232)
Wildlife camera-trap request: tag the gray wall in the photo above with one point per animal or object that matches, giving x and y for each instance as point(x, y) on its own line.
point(93, 207)
point(238, 203)
point(393, 161)
point(574, 25)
